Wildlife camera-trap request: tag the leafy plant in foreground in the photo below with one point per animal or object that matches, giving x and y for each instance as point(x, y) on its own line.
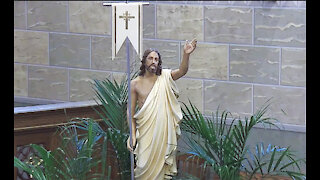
point(223, 145)
point(77, 157)
point(113, 97)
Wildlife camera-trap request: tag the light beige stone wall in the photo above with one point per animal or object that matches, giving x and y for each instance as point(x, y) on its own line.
point(248, 52)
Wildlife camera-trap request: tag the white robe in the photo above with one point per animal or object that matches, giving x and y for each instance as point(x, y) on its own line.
point(157, 124)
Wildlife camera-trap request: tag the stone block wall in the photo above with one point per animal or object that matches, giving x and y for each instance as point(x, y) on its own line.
point(248, 52)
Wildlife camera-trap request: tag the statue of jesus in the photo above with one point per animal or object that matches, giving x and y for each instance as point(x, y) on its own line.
point(155, 126)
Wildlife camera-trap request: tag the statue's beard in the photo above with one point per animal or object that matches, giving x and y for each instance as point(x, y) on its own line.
point(152, 70)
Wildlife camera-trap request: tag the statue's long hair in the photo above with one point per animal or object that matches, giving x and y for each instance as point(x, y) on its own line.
point(143, 66)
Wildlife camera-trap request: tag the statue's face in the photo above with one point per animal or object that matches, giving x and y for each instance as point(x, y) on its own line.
point(152, 62)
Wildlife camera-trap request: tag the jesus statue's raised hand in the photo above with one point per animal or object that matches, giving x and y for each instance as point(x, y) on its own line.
point(189, 47)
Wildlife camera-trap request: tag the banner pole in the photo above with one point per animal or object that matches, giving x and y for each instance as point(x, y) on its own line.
point(129, 106)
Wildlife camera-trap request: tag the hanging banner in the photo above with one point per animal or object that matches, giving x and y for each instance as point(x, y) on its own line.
point(127, 22)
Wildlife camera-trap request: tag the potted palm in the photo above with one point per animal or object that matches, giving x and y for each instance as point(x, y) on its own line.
point(112, 98)
point(223, 147)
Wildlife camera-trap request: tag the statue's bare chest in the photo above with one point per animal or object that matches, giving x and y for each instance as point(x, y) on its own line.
point(144, 88)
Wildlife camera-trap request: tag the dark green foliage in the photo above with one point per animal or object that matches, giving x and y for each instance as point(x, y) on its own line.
point(113, 99)
point(223, 145)
point(75, 158)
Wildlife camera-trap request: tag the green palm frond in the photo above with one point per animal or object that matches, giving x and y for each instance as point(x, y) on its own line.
point(271, 161)
point(119, 142)
point(113, 98)
point(215, 145)
point(224, 145)
point(75, 158)
point(113, 109)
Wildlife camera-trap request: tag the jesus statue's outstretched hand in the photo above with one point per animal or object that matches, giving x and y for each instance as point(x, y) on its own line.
point(189, 47)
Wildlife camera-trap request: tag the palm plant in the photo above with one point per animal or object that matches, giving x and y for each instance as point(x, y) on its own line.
point(223, 146)
point(271, 161)
point(113, 97)
point(77, 157)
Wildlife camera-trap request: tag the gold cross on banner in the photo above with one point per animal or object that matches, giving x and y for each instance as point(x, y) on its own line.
point(126, 18)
